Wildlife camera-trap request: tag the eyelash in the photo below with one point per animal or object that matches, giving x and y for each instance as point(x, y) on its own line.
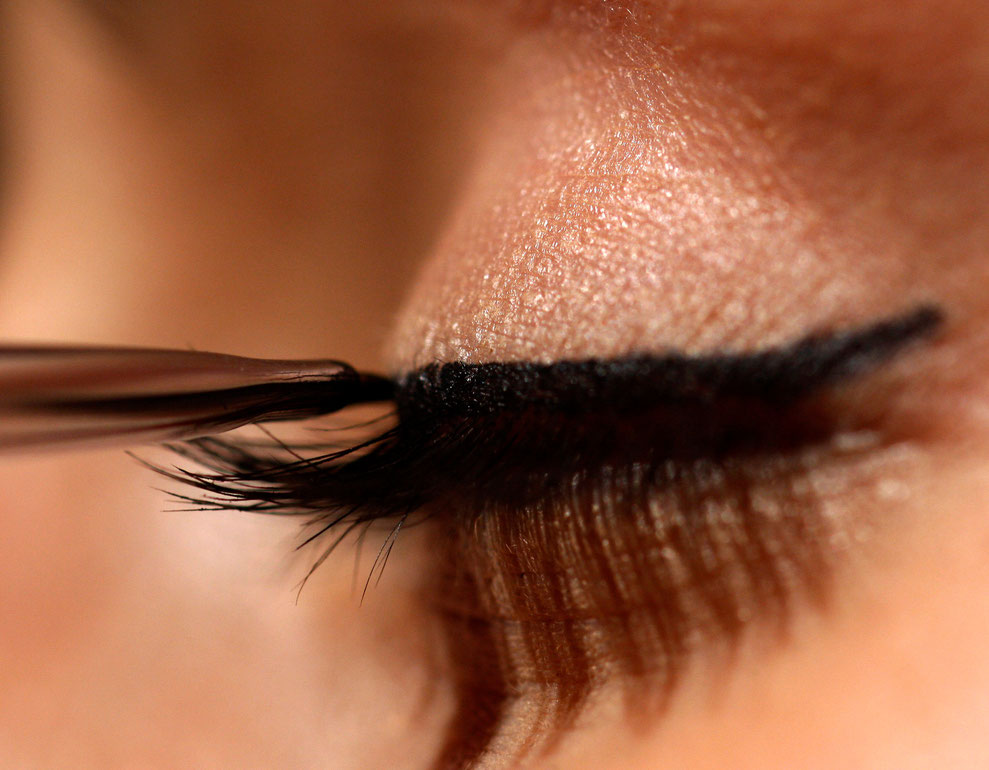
point(593, 520)
point(497, 432)
point(592, 515)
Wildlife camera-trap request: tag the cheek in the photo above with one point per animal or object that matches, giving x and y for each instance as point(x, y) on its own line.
point(896, 669)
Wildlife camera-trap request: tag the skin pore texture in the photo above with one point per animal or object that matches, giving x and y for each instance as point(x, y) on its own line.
point(583, 179)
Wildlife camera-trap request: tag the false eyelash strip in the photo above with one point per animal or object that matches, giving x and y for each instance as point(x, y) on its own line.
point(475, 433)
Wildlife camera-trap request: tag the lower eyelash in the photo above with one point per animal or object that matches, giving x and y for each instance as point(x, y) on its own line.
point(618, 582)
point(620, 573)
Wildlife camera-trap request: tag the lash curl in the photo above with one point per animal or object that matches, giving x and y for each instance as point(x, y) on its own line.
point(595, 519)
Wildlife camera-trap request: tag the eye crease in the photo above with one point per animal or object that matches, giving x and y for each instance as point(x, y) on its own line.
point(593, 521)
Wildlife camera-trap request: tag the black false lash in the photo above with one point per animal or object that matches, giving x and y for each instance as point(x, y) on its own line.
point(467, 434)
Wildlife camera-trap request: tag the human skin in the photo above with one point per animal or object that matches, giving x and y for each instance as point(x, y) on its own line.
point(693, 175)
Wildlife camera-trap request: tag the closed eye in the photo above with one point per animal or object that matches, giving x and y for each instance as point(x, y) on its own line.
point(591, 521)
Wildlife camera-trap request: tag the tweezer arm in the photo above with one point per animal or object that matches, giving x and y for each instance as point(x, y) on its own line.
point(57, 396)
